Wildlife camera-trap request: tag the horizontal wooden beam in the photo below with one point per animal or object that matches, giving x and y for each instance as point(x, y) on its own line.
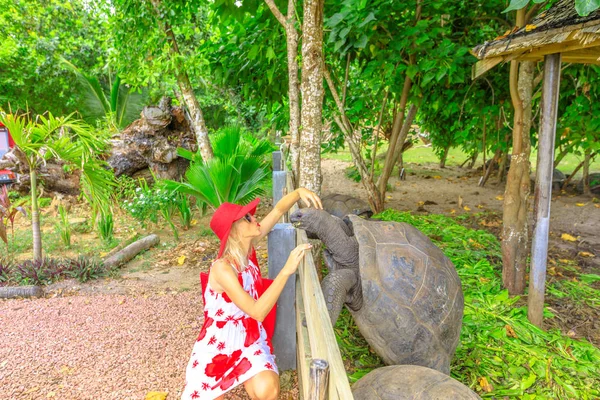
point(483, 66)
point(562, 48)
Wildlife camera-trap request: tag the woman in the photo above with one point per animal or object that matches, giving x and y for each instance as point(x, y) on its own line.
point(232, 346)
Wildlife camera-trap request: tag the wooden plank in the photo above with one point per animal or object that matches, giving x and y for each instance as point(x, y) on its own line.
point(281, 241)
point(481, 67)
point(565, 47)
point(543, 189)
point(303, 344)
point(323, 343)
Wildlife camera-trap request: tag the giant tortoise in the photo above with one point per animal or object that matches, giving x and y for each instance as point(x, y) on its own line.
point(341, 205)
point(403, 292)
point(594, 182)
point(409, 382)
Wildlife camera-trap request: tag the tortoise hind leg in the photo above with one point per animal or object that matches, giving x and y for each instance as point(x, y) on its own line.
point(337, 286)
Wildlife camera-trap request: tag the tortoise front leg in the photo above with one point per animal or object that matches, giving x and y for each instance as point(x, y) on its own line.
point(337, 286)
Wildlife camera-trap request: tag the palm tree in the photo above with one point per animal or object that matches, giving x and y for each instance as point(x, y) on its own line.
point(69, 140)
point(235, 174)
point(115, 102)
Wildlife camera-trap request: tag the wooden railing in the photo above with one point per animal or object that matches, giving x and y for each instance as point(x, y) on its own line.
point(315, 339)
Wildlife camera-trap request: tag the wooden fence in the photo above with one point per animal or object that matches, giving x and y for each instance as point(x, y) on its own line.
point(311, 338)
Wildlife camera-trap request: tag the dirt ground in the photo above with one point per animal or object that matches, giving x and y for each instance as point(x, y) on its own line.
point(442, 189)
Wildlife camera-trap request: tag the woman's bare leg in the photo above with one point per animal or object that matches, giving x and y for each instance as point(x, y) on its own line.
point(263, 386)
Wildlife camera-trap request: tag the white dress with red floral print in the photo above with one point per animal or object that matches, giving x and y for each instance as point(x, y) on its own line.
point(231, 348)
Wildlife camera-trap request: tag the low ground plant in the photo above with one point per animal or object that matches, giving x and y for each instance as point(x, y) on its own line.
point(49, 270)
point(105, 225)
point(63, 227)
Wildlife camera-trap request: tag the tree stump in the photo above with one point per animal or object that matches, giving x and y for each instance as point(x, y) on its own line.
point(152, 141)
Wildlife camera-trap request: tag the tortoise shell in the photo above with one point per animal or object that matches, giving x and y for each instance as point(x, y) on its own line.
point(407, 382)
point(341, 205)
point(412, 296)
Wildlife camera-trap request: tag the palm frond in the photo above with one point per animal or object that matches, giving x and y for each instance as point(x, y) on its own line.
point(95, 102)
point(98, 183)
point(226, 142)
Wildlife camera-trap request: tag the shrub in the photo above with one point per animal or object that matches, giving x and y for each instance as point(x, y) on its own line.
point(85, 269)
point(38, 272)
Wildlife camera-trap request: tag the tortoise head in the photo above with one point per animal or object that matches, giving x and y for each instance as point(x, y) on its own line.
point(310, 219)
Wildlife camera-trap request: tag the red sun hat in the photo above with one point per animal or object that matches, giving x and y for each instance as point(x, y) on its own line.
point(225, 216)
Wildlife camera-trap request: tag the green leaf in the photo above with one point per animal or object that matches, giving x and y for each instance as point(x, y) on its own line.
point(528, 382)
point(337, 18)
point(344, 32)
point(370, 17)
point(585, 7)
point(411, 71)
point(253, 52)
point(516, 5)
point(362, 42)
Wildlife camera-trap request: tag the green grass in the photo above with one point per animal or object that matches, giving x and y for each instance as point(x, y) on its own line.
point(425, 156)
point(498, 342)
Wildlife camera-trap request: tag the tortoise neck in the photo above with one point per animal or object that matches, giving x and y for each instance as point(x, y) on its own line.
point(344, 248)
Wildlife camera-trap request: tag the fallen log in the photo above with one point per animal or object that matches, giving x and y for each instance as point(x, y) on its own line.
point(11, 292)
point(122, 245)
point(123, 256)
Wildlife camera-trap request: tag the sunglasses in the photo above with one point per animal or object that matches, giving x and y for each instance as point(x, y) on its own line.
point(248, 217)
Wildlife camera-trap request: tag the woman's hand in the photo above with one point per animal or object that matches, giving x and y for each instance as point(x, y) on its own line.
point(307, 197)
point(294, 259)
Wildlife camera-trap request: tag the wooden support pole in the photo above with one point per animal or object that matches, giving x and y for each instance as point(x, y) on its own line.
point(282, 240)
point(319, 379)
point(543, 189)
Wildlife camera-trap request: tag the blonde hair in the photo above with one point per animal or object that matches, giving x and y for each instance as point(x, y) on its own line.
point(234, 251)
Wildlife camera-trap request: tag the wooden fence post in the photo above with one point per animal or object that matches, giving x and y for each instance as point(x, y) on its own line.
point(277, 161)
point(319, 379)
point(282, 240)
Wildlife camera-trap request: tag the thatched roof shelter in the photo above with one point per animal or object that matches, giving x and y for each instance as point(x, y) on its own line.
point(557, 30)
point(554, 36)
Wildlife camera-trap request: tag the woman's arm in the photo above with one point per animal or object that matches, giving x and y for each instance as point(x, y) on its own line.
point(283, 206)
point(226, 279)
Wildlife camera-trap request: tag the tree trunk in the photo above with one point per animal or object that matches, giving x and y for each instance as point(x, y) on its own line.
point(198, 124)
point(586, 173)
point(473, 160)
point(183, 81)
point(444, 157)
point(566, 150)
point(487, 173)
point(399, 148)
point(515, 234)
point(388, 164)
point(294, 91)
point(570, 177)
point(502, 166)
point(373, 195)
point(312, 96)
point(35, 216)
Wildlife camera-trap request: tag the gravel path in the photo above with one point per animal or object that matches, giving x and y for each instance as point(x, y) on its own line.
point(98, 347)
